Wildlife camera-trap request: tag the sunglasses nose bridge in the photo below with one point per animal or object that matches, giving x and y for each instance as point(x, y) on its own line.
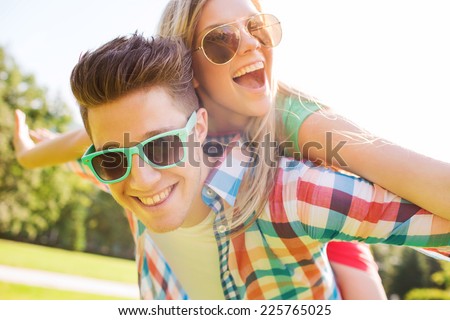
point(136, 150)
point(132, 160)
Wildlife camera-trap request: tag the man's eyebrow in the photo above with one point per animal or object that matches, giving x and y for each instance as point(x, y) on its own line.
point(153, 133)
point(146, 136)
point(109, 145)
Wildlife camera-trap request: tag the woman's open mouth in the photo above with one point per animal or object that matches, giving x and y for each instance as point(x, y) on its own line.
point(252, 77)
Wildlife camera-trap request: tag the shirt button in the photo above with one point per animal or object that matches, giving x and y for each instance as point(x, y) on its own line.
point(221, 229)
point(226, 274)
point(209, 192)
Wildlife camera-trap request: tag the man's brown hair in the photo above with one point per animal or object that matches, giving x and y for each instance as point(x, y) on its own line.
point(128, 64)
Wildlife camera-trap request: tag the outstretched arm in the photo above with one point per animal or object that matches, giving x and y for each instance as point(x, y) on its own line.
point(332, 205)
point(412, 176)
point(53, 151)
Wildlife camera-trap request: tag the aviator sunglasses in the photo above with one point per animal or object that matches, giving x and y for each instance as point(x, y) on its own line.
point(161, 151)
point(220, 44)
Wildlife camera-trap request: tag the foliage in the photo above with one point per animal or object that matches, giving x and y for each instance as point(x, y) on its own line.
point(404, 269)
point(49, 206)
point(442, 277)
point(427, 294)
point(413, 272)
point(107, 229)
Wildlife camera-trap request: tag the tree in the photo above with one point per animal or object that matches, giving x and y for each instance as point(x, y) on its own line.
point(48, 206)
point(28, 205)
point(403, 269)
point(442, 279)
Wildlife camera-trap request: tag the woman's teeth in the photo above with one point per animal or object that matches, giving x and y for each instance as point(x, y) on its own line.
point(248, 69)
point(156, 199)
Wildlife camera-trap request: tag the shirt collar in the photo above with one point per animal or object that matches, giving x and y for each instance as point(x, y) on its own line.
point(226, 177)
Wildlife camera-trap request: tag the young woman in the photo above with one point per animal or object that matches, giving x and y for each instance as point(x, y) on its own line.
point(234, 80)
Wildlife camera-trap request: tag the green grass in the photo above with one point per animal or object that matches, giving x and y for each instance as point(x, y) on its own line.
point(24, 255)
point(10, 291)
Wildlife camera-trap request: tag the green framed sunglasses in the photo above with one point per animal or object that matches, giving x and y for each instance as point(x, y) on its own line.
point(162, 151)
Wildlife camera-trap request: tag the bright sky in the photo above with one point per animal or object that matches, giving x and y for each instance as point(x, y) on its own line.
point(384, 64)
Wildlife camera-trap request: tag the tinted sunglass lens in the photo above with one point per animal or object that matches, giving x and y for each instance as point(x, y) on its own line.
point(110, 166)
point(266, 28)
point(164, 151)
point(221, 44)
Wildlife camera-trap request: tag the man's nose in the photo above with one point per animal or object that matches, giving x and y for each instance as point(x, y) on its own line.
point(142, 175)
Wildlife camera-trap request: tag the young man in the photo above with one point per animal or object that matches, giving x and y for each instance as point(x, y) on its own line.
point(141, 112)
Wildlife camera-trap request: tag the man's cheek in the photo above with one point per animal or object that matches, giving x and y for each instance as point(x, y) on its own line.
point(119, 197)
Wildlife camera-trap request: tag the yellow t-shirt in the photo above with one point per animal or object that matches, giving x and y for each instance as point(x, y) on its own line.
point(193, 256)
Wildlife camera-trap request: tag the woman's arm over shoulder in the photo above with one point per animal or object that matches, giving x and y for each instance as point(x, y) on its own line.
point(332, 205)
point(412, 176)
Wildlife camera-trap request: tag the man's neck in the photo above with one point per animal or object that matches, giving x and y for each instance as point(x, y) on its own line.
point(199, 210)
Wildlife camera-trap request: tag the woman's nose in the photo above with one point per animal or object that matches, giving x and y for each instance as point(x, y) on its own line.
point(248, 42)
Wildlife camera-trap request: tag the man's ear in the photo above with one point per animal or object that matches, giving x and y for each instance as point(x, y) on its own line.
point(195, 83)
point(201, 128)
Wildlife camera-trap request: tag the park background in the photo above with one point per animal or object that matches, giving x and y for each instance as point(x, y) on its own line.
point(383, 64)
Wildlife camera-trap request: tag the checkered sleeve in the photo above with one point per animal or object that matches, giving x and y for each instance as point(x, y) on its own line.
point(330, 205)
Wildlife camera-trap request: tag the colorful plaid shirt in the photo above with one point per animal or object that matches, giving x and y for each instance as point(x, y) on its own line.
point(282, 255)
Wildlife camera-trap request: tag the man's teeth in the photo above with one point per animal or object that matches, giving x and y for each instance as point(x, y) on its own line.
point(248, 69)
point(154, 200)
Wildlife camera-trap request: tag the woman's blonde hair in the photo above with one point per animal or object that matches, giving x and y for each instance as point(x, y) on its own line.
point(180, 19)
